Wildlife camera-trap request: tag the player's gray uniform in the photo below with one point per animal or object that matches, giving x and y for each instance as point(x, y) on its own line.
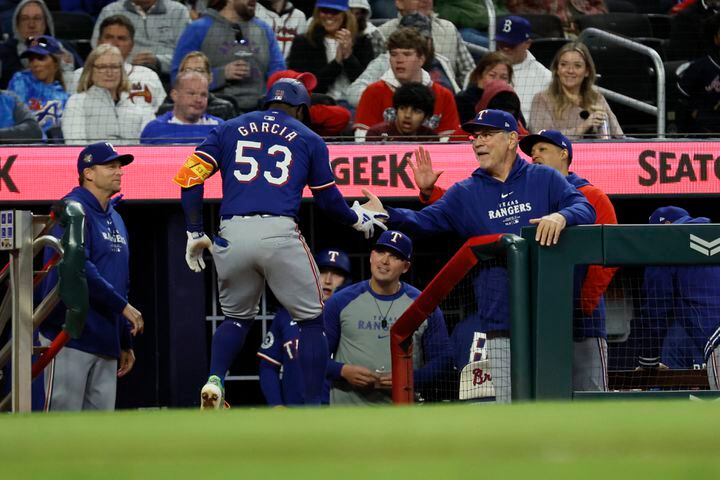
point(590, 365)
point(252, 249)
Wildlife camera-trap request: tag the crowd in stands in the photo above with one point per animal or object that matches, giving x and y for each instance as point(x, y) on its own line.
point(138, 75)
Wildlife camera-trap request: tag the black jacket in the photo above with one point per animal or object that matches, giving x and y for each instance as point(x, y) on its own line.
point(304, 57)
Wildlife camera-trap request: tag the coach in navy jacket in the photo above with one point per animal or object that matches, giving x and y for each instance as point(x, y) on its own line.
point(503, 195)
point(86, 370)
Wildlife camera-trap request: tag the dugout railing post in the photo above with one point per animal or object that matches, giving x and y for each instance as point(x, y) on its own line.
point(551, 280)
point(474, 250)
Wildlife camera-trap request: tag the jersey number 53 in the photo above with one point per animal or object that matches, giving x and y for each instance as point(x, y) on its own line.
point(282, 166)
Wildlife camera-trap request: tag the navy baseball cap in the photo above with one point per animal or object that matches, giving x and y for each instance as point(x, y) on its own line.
point(99, 154)
point(549, 136)
point(512, 30)
point(493, 119)
point(396, 241)
point(334, 258)
point(669, 214)
point(42, 45)
point(339, 5)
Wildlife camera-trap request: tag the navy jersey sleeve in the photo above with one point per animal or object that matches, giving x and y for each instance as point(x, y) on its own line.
point(570, 203)
point(211, 148)
point(320, 173)
point(435, 218)
point(331, 318)
point(657, 305)
point(436, 350)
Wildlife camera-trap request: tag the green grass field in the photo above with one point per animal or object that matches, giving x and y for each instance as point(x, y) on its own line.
point(581, 440)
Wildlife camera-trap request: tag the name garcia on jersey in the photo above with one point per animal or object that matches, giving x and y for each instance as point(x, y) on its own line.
point(268, 127)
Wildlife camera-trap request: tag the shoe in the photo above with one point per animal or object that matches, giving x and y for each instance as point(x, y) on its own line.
point(212, 395)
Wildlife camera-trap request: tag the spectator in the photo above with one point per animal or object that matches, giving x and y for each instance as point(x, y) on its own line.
point(571, 103)
point(17, 123)
point(688, 295)
point(280, 375)
point(158, 24)
point(85, 372)
point(327, 119)
point(413, 104)
point(699, 86)
point(31, 19)
point(42, 87)
point(145, 85)
point(552, 148)
point(446, 38)
point(331, 49)
point(358, 320)
point(362, 11)
point(407, 55)
point(218, 107)
point(529, 76)
point(286, 21)
point(499, 95)
point(102, 108)
point(435, 64)
point(686, 38)
point(492, 66)
point(242, 50)
point(188, 122)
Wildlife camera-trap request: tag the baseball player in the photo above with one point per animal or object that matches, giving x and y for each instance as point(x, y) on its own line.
point(552, 148)
point(280, 376)
point(688, 294)
point(503, 195)
point(358, 321)
point(265, 159)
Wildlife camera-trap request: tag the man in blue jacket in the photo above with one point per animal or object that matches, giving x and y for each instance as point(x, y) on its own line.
point(85, 372)
point(686, 294)
point(503, 195)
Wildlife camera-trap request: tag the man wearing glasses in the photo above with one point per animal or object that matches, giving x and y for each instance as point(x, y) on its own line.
point(242, 50)
point(503, 195)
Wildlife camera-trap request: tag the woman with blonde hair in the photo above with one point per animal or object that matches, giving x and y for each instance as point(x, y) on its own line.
point(331, 49)
point(102, 108)
point(572, 104)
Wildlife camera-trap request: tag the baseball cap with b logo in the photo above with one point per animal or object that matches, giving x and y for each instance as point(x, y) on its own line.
point(397, 242)
point(512, 30)
point(99, 154)
point(492, 119)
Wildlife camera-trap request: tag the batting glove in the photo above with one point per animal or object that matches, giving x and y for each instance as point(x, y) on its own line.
point(368, 220)
point(197, 242)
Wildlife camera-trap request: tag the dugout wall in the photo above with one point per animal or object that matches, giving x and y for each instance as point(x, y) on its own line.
point(551, 277)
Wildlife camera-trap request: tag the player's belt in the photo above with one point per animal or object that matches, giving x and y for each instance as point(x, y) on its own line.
point(252, 215)
point(497, 334)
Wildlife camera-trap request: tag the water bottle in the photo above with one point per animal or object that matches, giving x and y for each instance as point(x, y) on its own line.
point(603, 131)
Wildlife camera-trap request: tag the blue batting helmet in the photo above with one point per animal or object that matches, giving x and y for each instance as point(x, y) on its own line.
point(291, 92)
point(334, 258)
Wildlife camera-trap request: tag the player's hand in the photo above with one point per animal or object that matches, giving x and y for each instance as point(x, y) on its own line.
point(135, 318)
point(358, 376)
point(384, 381)
point(549, 228)
point(126, 362)
point(197, 242)
point(237, 70)
point(370, 214)
point(425, 177)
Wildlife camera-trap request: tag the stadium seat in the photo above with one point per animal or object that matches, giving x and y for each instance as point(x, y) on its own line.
point(544, 49)
point(631, 25)
point(620, 6)
point(660, 24)
point(73, 25)
point(545, 26)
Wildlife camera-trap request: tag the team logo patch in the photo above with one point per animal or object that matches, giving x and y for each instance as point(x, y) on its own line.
point(268, 341)
point(88, 158)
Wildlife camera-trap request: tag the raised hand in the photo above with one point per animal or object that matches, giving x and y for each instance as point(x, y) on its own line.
point(425, 177)
point(370, 214)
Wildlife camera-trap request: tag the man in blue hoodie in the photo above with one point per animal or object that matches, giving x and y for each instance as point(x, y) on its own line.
point(85, 372)
point(503, 195)
point(688, 295)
